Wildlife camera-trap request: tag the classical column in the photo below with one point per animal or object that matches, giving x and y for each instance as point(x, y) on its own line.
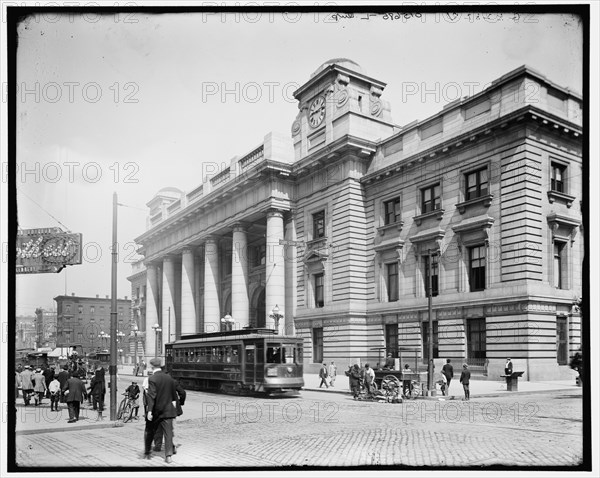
point(291, 278)
point(151, 309)
point(240, 302)
point(212, 317)
point(168, 302)
point(275, 269)
point(188, 303)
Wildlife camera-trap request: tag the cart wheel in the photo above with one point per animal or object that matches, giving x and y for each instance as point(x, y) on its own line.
point(390, 386)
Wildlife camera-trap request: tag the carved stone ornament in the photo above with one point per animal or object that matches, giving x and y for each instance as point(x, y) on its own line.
point(296, 126)
point(376, 107)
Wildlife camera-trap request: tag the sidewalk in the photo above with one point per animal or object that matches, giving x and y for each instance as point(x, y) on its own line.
point(479, 388)
point(41, 420)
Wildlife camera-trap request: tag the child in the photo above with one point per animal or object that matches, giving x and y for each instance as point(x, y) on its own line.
point(54, 389)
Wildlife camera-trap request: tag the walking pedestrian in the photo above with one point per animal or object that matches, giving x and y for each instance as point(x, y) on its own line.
point(27, 384)
point(48, 374)
point(332, 372)
point(465, 378)
point(162, 408)
point(136, 369)
point(323, 375)
point(39, 386)
point(54, 389)
point(98, 391)
point(63, 376)
point(448, 372)
point(75, 394)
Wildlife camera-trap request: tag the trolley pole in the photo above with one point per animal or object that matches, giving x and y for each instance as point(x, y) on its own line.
point(430, 324)
point(113, 316)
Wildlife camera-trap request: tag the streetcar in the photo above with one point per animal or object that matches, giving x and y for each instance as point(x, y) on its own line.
point(251, 360)
point(100, 358)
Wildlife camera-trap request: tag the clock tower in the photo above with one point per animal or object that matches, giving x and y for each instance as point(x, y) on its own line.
point(339, 100)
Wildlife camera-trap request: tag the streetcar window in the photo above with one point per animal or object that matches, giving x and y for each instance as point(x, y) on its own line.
point(273, 353)
point(191, 357)
point(201, 354)
point(235, 351)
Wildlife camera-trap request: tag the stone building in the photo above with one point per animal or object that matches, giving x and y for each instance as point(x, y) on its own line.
point(337, 224)
point(84, 322)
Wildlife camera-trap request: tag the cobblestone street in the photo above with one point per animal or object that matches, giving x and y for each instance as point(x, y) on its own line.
point(332, 430)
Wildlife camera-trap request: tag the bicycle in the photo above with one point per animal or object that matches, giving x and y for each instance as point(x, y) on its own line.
point(125, 411)
point(413, 391)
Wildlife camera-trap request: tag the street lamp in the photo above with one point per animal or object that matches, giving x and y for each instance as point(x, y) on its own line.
point(103, 336)
point(157, 330)
point(120, 356)
point(227, 323)
point(120, 335)
point(135, 332)
point(276, 316)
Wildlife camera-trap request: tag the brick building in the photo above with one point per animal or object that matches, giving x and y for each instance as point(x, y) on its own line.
point(84, 322)
point(337, 224)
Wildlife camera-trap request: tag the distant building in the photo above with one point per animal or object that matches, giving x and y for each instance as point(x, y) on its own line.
point(45, 328)
point(84, 322)
point(25, 332)
point(338, 223)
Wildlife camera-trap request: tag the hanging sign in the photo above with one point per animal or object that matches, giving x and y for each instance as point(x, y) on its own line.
point(46, 250)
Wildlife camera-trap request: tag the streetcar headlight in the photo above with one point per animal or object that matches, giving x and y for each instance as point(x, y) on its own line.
point(271, 372)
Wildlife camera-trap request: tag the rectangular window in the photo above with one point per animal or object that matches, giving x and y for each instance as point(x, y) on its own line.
point(557, 181)
point(137, 292)
point(559, 265)
point(476, 184)
point(391, 211)
point(562, 343)
point(431, 198)
point(318, 345)
point(319, 224)
point(477, 268)
point(80, 309)
point(92, 309)
point(319, 300)
point(434, 275)
point(392, 281)
point(476, 342)
point(80, 337)
point(391, 340)
point(425, 335)
point(68, 308)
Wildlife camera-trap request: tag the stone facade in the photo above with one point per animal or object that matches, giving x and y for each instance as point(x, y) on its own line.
point(337, 223)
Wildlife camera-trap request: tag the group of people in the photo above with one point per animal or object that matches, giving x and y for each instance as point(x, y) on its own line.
point(359, 378)
point(139, 368)
point(328, 375)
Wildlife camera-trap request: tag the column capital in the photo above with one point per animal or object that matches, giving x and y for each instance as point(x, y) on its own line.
point(239, 227)
point(188, 250)
point(168, 258)
point(275, 213)
point(211, 239)
point(152, 265)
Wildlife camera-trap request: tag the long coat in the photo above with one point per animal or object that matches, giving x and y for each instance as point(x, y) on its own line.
point(39, 382)
point(98, 387)
point(75, 389)
point(26, 379)
point(162, 395)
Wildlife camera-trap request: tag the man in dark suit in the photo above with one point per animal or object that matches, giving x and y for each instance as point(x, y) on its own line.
point(63, 376)
point(75, 393)
point(162, 408)
point(158, 437)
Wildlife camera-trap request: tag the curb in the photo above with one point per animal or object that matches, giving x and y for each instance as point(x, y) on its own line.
point(35, 431)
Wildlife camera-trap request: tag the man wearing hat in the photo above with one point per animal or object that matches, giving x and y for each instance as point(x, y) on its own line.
point(27, 384)
point(39, 386)
point(465, 378)
point(162, 408)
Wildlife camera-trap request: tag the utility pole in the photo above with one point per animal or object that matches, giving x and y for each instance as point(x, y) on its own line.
point(430, 324)
point(113, 317)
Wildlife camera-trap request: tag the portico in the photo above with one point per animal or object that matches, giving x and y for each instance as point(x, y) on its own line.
point(221, 250)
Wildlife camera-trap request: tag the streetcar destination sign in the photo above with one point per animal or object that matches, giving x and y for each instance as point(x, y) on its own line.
point(46, 250)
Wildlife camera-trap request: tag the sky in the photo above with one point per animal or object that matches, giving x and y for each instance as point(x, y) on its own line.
point(135, 103)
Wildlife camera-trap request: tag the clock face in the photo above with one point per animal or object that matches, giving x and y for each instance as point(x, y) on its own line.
point(316, 112)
